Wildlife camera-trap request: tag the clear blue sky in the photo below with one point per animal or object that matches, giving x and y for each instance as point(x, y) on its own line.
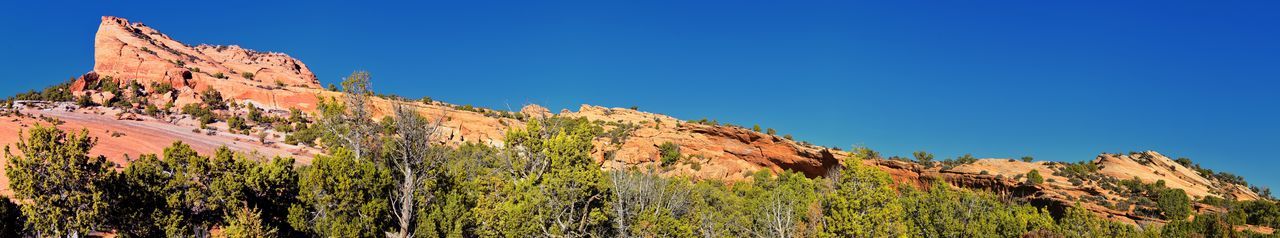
point(1062, 80)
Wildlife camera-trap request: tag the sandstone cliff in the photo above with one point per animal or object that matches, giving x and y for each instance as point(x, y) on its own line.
point(127, 51)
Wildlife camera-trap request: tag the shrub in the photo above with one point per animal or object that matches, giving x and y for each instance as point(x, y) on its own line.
point(213, 99)
point(755, 128)
point(1174, 204)
point(923, 157)
point(235, 124)
point(1034, 177)
point(1028, 159)
point(770, 131)
point(246, 75)
point(85, 101)
point(670, 153)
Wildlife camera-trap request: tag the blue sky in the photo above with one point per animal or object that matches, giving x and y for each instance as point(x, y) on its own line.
point(1061, 80)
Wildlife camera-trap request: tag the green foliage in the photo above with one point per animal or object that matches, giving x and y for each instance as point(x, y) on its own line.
point(863, 204)
point(924, 158)
point(1028, 159)
point(755, 128)
point(202, 114)
point(1034, 177)
point(247, 223)
point(1080, 223)
point(670, 153)
point(234, 123)
point(1174, 203)
point(219, 75)
point(944, 212)
point(57, 93)
point(548, 184)
point(304, 135)
point(85, 101)
point(247, 75)
point(341, 196)
point(68, 187)
point(213, 99)
point(771, 131)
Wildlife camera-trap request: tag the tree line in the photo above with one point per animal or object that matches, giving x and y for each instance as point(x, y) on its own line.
point(392, 178)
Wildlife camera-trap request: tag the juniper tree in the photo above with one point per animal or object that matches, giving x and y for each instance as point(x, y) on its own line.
point(65, 187)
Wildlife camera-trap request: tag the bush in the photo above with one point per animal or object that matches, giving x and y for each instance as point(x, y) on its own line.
point(236, 124)
point(85, 101)
point(1174, 204)
point(1034, 177)
point(219, 75)
point(770, 131)
point(670, 153)
point(213, 99)
point(1028, 159)
point(247, 75)
point(923, 157)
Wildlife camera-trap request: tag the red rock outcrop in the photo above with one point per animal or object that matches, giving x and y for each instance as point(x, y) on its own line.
point(129, 51)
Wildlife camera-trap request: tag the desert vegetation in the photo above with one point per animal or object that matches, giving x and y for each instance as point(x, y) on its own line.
point(387, 178)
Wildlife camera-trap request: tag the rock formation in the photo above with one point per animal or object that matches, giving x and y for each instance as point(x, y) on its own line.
point(127, 51)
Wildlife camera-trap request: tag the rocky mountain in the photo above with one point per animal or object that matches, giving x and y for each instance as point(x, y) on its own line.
point(127, 52)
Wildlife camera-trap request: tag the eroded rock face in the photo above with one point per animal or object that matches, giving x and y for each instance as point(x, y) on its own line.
point(1005, 177)
point(128, 51)
point(716, 152)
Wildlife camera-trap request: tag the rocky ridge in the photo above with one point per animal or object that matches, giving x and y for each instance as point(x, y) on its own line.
point(127, 51)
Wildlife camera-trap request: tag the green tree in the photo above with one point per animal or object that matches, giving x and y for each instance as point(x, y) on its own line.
point(547, 183)
point(1028, 159)
point(1174, 203)
point(923, 157)
point(247, 223)
point(454, 193)
point(341, 196)
point(670, 153)
point(66, 186)
point(142, 183)
point(1034, 177)
point(213, 99)
point(234, 123)
point(863, 202)
point(945, 212)
point(648, 205)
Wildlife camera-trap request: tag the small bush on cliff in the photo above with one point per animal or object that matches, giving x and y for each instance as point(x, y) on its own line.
point(1028, 159)
point(247, 75)
point(1034, 177)
point(670, 153)
point(213, 99)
